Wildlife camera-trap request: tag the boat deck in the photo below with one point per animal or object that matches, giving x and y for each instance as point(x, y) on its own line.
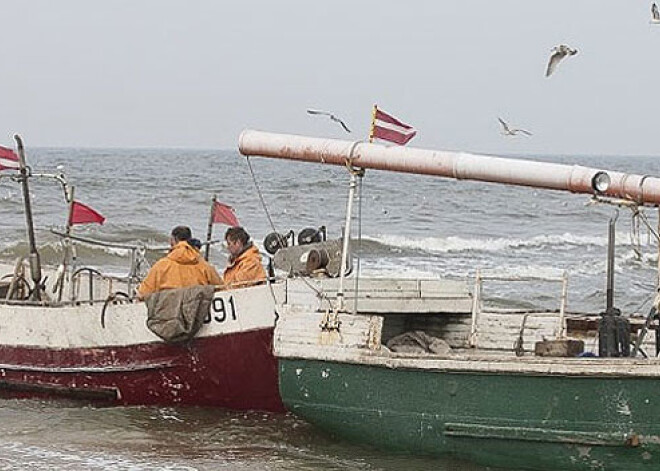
point(475, 337)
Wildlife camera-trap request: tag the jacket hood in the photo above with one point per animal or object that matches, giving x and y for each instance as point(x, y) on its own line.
point(247, 251)
point(184, 254)
point(250, 251)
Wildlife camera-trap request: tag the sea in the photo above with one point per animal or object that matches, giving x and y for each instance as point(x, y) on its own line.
point(404, 225)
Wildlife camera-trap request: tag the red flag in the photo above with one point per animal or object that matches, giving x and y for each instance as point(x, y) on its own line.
point(8, 159)
point(83, 214)
point(224, 214)
point(390, 129)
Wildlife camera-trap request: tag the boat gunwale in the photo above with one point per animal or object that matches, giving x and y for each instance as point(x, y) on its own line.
point(479, 362)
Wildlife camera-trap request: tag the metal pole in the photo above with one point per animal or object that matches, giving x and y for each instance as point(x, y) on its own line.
point(35, 264)
point(373, 123)
point(67, 244)
point(476, 303)
point(610, 263)
point(209, 230)
point(657, 283)
point(459, 165)
point(562, 305)
point(347, 236)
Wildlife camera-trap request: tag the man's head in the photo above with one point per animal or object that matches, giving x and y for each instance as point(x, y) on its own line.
point(236, 239)
point(180, 234)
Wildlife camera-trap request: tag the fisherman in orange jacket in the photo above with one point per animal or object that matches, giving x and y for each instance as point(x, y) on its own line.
point(244, 268)
point(182, 267)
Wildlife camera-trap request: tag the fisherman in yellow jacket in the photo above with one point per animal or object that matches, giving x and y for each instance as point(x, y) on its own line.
point(184, 266)
point(244, 268)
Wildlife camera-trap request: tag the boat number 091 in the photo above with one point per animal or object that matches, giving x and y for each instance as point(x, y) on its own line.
point(221, 311)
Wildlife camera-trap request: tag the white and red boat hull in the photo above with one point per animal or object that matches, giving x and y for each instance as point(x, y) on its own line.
point(70, 352)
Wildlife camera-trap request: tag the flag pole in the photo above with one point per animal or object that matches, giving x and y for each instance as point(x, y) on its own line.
point(373, 123)
point(67, 244)
point(209, 230)
point(67, 232)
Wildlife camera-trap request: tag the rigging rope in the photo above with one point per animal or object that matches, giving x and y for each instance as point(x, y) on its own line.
point(634, 233)
point(635, 238)
point(261, 196)
point(318, 292)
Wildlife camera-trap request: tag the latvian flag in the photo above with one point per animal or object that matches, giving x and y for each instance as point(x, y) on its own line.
point(8, 159)
point(388, 128)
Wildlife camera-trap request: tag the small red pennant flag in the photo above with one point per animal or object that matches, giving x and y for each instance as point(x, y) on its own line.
point(224, 214)
point(8, 159)
point(83, 214)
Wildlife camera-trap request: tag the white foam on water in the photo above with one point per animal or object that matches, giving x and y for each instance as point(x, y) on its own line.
point(429, 269)
point(36, 457)
point(461, 244)
point(646, 259)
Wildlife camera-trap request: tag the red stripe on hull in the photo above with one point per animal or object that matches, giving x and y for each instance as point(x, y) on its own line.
point(234, 371)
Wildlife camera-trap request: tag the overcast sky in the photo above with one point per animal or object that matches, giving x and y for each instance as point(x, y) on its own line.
point(195, 73)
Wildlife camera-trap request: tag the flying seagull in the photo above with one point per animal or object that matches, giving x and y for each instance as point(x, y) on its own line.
point(655, 14)
point(331, 116)
point(558, 53)
point(507, 131)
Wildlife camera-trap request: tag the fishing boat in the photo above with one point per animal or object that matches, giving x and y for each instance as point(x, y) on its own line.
point(428, 367)
point(76, 332)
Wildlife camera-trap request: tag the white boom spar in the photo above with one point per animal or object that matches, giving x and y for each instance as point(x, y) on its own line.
point(643, 189)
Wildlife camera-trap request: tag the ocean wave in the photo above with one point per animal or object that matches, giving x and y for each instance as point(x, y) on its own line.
point(394, 269)
point(459, 244)
point(465, 268)
point(51, 253)
point(634, 259)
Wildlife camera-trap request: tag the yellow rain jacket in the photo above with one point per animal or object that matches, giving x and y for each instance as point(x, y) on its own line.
point(184, 266)
point(244, 270)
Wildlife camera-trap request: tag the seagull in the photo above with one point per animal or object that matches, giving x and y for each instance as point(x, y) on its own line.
point(331, 116)
point(558, 53)
point(507, 131)
point(655, 14)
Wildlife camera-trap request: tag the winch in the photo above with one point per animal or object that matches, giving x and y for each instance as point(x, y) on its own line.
point(314, 254)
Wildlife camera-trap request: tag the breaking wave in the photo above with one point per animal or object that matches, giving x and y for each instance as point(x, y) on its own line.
point(53, 251)
point(459, 244)
point(393, 269)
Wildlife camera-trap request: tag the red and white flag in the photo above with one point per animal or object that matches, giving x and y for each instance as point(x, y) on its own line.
point(8, 159)
point(388, 128)
point(83, 214)
point(224, 214)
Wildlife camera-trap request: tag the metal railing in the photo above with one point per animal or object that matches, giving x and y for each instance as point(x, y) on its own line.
point(477, 300)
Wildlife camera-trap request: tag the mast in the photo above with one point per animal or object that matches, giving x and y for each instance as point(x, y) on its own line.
point(35, 264)
point(209, 230)
point(642, 189)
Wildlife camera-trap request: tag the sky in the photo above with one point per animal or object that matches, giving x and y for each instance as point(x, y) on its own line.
point(193, 74)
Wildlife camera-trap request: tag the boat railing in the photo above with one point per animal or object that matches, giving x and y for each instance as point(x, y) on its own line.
point(114, 283)
point(15, 285)
point(93, 276)
point(478, 306)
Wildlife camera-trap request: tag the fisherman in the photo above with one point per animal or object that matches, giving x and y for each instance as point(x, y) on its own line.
point(244, 267)
point(182, 267)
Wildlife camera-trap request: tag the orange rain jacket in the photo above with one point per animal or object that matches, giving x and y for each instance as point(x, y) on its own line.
point(184, 266)
point(245, 270)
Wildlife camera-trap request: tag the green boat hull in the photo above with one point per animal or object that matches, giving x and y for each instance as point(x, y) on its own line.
point(523, 421)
